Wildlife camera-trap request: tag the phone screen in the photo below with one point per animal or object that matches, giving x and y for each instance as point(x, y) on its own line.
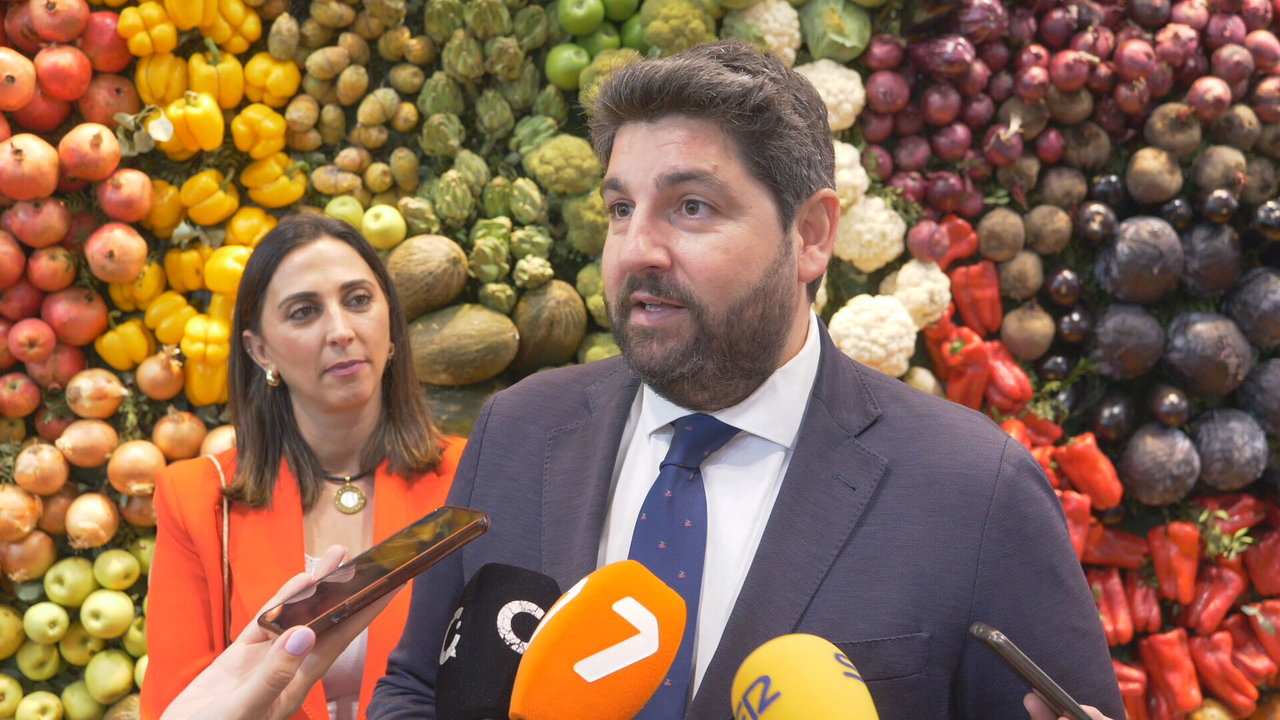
point(1062, 704)
point(378, 570)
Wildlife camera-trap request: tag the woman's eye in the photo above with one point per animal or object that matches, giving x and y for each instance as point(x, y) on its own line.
point(301, 313)
point(361, 300)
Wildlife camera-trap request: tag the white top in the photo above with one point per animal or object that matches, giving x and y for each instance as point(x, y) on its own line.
point(742, 480)
point(342, 682)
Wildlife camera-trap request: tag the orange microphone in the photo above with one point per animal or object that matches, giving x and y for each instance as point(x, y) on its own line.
point(602, 650)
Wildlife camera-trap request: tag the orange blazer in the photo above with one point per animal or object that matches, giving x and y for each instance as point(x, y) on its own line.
point(184, 604)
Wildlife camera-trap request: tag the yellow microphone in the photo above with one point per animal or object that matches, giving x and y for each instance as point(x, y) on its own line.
point(800, 677)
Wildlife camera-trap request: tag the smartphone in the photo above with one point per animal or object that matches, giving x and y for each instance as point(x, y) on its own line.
point(352, 586)
point(1053, 695)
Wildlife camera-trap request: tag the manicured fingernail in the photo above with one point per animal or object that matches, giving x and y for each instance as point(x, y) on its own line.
point(300, 642)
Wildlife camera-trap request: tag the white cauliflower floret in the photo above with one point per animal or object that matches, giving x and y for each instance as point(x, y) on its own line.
point(841, 89)
point(877, 331)
point(922, 287)
point(772, 25)
point(870, 235)
point(852, 180)
point(820, 297)
point(924, 380)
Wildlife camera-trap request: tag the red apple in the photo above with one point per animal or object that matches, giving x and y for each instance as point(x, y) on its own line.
point(31, 340)
point(19, 395)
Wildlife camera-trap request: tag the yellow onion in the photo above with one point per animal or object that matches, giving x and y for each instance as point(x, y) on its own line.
point(133, 466)
point(159, 376)
point(41, 469)
point(92, 520)
point(178, 434)
point(87, 443)
point(218, 440)
point(19, 512)
point(95, 393)
point(139, 511)
point(54, 518)
point(28, 558)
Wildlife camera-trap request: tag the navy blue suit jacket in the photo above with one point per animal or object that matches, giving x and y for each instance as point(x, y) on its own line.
point(902, 519)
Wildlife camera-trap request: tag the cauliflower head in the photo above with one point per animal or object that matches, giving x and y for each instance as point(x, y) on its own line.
point(877, 331)
point(852, 180)
point(565, 165)
point(771, 25)
point(922, 287)
point(587, 222)
point(674, 25)
point(841, 90)
point(604, 64)
point(870, 235)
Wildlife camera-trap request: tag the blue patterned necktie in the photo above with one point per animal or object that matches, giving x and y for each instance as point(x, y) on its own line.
point(671, 540)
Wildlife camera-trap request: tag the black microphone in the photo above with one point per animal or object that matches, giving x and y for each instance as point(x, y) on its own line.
point(499, 609)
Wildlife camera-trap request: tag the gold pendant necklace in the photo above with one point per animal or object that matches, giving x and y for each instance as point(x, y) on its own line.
point(348, 498)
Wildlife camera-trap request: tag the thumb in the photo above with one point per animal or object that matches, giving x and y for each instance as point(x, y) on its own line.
point(277, 670)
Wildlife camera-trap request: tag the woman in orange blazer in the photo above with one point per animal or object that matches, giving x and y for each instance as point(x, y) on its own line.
point(335, 445)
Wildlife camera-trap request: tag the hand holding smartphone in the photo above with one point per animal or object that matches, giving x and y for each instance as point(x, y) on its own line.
point(1041, 684)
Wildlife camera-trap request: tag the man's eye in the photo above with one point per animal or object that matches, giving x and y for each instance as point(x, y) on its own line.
point(620, 210)
point(693, 207)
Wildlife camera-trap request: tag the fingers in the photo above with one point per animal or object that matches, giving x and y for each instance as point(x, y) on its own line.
point(1036, 707)
point(272, 676)
point(329, 561)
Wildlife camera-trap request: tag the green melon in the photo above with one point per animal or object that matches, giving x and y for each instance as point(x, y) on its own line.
point(552, 321)
point(462, 344)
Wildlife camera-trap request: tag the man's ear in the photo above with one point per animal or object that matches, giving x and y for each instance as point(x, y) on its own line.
point(257, 349)
point(815, 227)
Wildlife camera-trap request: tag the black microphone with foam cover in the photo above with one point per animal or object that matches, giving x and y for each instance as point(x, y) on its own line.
point(499, 609)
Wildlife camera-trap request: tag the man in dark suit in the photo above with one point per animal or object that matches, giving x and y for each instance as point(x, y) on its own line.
point(876, 516)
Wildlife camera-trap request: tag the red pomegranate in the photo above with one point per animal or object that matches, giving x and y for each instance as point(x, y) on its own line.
point(126, 195)
point(89, 151)
point(43, 113)
point(106, 49)
point(116, 253)
point(83, 224)
point(59, 20)
point(18, 29)
point(63, 72)
point(5, 131)
point(57, 369)
point(107, 95)
point(12, 260)
point(28, 167)
point(37, 223)
point(78, 315)
point(17, 79)
point(52, 268)
point(20, 300)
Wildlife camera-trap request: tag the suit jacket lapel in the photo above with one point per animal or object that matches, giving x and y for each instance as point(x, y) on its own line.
point(578, 475)
point(828, 484)
point(266, 547)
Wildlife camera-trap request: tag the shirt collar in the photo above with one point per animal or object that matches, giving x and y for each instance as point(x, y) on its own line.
point(772, 412)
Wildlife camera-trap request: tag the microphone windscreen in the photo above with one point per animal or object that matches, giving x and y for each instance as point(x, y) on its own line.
point(498, 611)
point(800, 677)
point(603, 648)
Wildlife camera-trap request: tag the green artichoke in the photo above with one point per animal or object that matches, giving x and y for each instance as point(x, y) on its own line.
point(495, 199)
point(503, 58)
point(515, 5)
point(550, 102)
point(531, 240)
point(488, 261)
point(532, 131)
point(443, 17)
point(452, 199)
point(440, 94)
point(474, 170)
point(532, 271)
point(521, 92)
point(418, 215)
point(493, 116)
point(487, 18)
point(498, 296)
point(442, 135)
point(532, 27)
point(528, 206)
point(462, 57)
point(498, 228)
point(587, 222)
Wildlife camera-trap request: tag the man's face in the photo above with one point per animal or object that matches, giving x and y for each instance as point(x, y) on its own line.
point(700, 279)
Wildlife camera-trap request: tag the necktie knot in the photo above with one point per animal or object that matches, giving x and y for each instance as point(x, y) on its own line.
point(696, 437)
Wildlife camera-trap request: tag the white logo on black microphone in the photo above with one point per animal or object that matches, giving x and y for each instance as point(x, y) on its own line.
point(505, 617)
point(451, 637)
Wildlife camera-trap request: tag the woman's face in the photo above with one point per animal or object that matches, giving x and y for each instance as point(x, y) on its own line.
point(325, 329)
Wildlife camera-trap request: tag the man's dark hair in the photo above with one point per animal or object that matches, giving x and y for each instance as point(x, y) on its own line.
point(773, 114)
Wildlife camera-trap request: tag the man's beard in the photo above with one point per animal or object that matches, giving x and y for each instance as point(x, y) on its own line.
point(726, 356)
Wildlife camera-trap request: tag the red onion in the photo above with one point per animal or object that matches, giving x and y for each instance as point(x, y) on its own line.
point(1056, 28)
point(887, 92)
point(1002, 145)
point(912, 185)
point(1191, 70)
point(1209, 97)
point(1102, 78)
point(946, 57)
point(1256, 14)
point(1107, 115)
point(1240, 90)
point(912, 153)
point(909, 121)
point(1031, 83)
point(972, 202)
point(1132, 96)
point(1264, 47)
point(877, 162)
point(884, 52)
point(995, 54)
point(1266, 100)
point(1112, 15)
point(941, 104)
point(1130, 32)
point(1032, 55)
point(982, 20)
point(1000, 86)
point(1223, 29)
point(975, 81)
point(1194, 13)
point(951, 142)
point(1022, 26)
point(1150, 13)
point(1227, 6)
point(927, 242)
point(1096, 40)
point(1135, 59)
point(1069, 70)
point(945, 191)
point(975, 167)
point(1176, 42)
point(875, 127)
point(1050, 146)
point(1232, 63)
point(1161, 81)
point(1087, 13)
point(978, 111)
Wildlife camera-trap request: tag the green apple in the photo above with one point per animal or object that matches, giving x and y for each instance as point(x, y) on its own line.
point(39, 705)
point(345, 207)
point(70, 581)
point(11, 634)
point(383, 226)
point(140, 670)
point(38, 662)
point(135, 638)
point(78, 704)
point(46, 622)
point(117, 569)
point(78, 646)
point(10, 694)
point(109, 676)
point(107, 613)
point(142, 548)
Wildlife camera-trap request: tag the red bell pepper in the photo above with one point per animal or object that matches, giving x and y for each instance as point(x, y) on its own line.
point(1264, 618)
point(1115, 548)
point(1175, 550)
point(1089, 470)
point(1017, 430)
point(1158, 708)
point(1216, 590)
point(1171, 672)
point(976, 291)
point(1077, 509)
point(1263, 562)
point(936, 337)
point(1144, 606)
point(1044, 455)
point(962, 240)
point(1220, 676)
point(1113, 607)
point(1241, 510)
point(1133, 689)
point(1248, 654)
point(1009, 389)
point(1042, 430)
point(968, 368)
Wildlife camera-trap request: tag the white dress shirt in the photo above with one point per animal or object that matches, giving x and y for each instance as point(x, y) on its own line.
point(741, 479)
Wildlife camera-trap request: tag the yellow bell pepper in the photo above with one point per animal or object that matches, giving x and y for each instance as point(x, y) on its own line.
point(108, 3)
point(235, 27)
point(259, 131)
point(187, 14)
point(147, 29)
point(167, 315)
point(248, 226)
point(128, 344)
point(184, 267)
point(160, 78)
point(217, 73)
point(271, 81)
point(166, 209)
point(206, 343)
point(209, 197)
point(173, 147)
point(222, 306)
point(140, 293)
point(275, 181)
point(225, 266)
point(197, 121)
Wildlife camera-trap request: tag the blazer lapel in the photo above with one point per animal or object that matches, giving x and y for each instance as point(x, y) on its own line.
point(828, 484)
point(266, 548)
point(578, 477)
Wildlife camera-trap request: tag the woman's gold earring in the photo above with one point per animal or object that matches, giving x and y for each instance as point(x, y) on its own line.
point(272, 379)
point(392, 352)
